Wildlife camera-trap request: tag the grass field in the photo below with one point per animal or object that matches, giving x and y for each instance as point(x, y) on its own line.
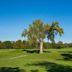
point(52, 60)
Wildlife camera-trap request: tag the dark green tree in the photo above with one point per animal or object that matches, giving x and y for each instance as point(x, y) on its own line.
point(53, 30)
point(18, 44)
point(7, 44)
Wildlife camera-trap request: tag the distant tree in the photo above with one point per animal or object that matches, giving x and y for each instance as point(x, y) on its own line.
point(25, 44)
point(7, 44)
point(47, 45)
point(60, 44)
point(0, 44)
point(18, 44)
point(69, 45)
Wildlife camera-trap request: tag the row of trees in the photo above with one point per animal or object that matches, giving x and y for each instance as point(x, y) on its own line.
point(13, 44)
point(38, 31)
point(26, 45)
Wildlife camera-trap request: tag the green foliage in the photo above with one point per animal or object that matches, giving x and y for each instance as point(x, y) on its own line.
point(38, 31)
point(1, 45)
point(53, 30)
point(35, 32)
point(27, 45)
point(7, 44)
point(18, 44)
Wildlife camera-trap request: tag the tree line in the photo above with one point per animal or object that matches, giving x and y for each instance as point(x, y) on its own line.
point(19, 44)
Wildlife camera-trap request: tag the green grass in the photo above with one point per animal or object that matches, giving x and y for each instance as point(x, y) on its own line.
point(35, 62)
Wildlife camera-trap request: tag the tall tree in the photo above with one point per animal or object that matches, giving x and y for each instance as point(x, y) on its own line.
point(35, 33)
point(53, 30)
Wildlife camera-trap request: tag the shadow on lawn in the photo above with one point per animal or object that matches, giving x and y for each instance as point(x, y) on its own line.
point(31, 51)
point(35, 51)
point(9, 69)
point(52, 67)
point(67, 56)
point(49, 67)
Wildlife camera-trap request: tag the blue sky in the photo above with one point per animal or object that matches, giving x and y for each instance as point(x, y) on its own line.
point(16, 15)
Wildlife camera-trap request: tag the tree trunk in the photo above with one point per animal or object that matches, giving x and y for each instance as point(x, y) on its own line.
point(41, 47)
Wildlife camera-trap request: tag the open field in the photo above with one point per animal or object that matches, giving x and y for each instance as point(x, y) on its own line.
point(52, 60)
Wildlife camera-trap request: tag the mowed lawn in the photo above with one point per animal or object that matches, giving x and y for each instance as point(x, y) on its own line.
point(52, 60)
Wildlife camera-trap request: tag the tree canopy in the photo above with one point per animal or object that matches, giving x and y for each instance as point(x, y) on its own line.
point(38, 31)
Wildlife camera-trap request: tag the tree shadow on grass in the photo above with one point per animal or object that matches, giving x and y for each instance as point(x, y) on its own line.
point(67, 56)
point(34, 71)
point(35, 51)
point(31, 51)
point(52, 67)
point(9, 69)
